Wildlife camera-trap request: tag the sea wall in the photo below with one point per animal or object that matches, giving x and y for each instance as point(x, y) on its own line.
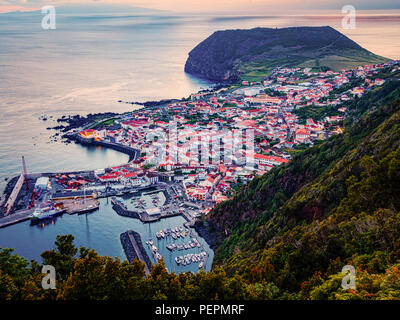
point(133, 248)
point(124, 212)
point(131, 152)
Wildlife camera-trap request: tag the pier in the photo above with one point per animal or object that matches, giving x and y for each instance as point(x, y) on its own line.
point(81, 205)
point(133, 248)
point(14, 218)
point(14, 194)
point(131, 152)
point(143, 216)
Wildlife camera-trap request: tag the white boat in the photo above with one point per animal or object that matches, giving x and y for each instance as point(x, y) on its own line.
point(43, 213)
point(158, 256)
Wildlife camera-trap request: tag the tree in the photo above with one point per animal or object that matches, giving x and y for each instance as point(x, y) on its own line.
point(63, 257)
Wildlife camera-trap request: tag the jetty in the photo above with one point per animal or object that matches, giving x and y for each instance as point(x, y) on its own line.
point(143, 216)
point(131, 152)
point(81, 205)
point(133, 248)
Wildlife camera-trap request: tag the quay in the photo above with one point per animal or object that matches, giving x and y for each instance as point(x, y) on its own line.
point(81, 205)
point(14, 218)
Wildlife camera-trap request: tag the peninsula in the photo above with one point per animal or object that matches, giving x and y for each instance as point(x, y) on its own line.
point(232, 55)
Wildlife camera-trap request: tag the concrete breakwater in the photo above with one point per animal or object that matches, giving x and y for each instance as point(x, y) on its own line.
point(133, 248)
point(122, 211)
point(131, 152)
point(143, 216)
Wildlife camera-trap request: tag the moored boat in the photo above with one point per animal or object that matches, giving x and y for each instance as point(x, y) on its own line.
point(43, 213)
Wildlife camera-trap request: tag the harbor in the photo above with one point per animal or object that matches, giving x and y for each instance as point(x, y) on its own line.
point(176, 240)
point(144, 216)
point(101, 231)
point(46, 199)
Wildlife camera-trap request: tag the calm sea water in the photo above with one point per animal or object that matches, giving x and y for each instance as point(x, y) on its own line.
point(89, 63)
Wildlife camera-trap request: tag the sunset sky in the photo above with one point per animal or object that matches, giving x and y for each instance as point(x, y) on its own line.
point(212, 5)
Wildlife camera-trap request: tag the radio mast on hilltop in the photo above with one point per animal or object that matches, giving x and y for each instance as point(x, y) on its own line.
point(25, 172)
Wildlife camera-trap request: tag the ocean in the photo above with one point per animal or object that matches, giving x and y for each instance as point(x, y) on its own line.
point(89, 63)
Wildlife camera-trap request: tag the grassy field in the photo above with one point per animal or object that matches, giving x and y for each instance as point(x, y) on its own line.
point(258, 70)
point(102, 123)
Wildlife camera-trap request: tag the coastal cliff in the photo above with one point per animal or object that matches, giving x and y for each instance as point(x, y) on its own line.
point(231, 55)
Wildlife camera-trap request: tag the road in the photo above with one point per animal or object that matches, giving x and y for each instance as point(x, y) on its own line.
point(280, 114)
point(162, 108)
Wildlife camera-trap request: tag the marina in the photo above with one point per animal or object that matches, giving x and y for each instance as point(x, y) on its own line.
point(99, 231)
point(178, 239)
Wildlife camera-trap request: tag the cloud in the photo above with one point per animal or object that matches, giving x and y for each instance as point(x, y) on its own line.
point(218, 5)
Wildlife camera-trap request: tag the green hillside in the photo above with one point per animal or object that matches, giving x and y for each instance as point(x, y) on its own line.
point(231, 55)
point(334, 204)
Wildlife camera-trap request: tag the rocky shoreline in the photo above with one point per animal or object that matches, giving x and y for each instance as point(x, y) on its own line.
point(149, 104)
point(203, 232)
point(78, 121)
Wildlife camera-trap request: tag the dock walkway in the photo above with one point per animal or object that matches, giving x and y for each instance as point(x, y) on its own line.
point(190, 226)
point(81, 205)
point(14, 218)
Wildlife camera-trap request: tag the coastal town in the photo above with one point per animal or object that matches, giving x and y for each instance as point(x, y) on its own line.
point(200, 144)
point(192, 154)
